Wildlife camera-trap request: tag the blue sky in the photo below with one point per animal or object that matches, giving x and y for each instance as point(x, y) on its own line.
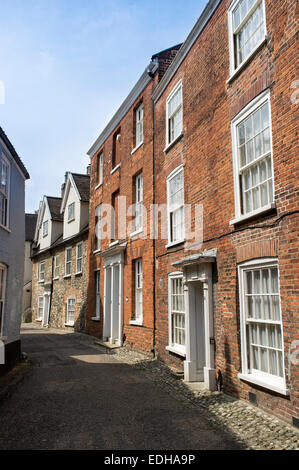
point(67, 65)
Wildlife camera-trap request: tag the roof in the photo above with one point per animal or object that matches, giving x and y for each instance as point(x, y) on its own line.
point(54, 206)
point(199, 26)
point(14, 154)
point(30, 224)
point(83, 185)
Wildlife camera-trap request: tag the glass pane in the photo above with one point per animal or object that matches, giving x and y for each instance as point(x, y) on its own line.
point(241, 130)
point(273, 362)
point(272, 337)
point(249, 282)
point(258, 145)
point(250, 151)
point(264, 360)
point(256, 277)
point(266, 140)
point(249, 128)
point(274, 281)
point(255, 357)
point(258, 307)
point(263, 335)
point(257, 122)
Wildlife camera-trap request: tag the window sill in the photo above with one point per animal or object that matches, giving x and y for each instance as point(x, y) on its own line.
point(39, 319)
point(68, 276)
point(95, 318)
point(71, 220)
point(114, 243)
point(78, 274)
point(55, 278)
point(136, 323)
point(274, 386)
point(137, 232)
point(175, 350)
point(243, 65)
point(70, 324)
point(5, 228)
point(98, 186)
point(253, 214)
point(96, 252)
point(171, 144)
point(173, 244)
point(41, 282)
point(114, 169)
point(45, 236)
point(137, 147)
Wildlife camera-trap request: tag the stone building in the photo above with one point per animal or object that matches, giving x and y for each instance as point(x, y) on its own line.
point(13, 175)
point(214, 293)
point(59, 257)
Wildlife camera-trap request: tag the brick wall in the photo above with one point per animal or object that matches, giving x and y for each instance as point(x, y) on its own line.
point(209, 104)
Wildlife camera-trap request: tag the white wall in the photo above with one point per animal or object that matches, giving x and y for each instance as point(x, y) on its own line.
point(71, 228)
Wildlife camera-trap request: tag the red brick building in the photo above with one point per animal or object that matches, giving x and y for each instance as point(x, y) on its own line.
point(220, 154)
point(120, 304)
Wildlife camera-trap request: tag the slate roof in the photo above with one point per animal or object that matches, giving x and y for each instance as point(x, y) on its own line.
point(83, 185)
point(13, 153)
point(30, 224)
point(54, 206)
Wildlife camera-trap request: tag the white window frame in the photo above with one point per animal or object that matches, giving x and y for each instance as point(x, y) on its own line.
point(66, 274)
point(172, 175)
point(138, 291)
point(45, 228)
point(247, 111)
point(172, 346)
point(79, 259)
point(139, 126)
point(71, 212)
point(56, 266)
point(97, 296)
point(139, 202)
point(41, 275)
point(3, 269)
point(67, 321)
point(178, 86)
point(98, 228)
point(231, 32)
point(266, 380)
point(100, 169)
point(6, 196)
point(39, 307)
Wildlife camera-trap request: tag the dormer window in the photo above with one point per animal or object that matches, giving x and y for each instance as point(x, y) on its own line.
point(71, 212)
point(45, 228)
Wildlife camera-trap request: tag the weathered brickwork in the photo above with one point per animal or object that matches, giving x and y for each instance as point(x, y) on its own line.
point(61, 287)
point(205, 149)
point(211, 100)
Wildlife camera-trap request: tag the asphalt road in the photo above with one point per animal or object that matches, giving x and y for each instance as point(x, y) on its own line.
point(77, 397)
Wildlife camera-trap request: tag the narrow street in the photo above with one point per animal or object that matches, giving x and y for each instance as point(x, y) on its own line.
point(75, 396)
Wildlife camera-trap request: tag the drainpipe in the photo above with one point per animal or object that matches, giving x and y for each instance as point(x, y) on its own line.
point(152, 75)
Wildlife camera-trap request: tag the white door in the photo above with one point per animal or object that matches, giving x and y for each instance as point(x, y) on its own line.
point(45, 321)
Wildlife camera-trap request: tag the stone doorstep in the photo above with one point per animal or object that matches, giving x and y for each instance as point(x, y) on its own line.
point(107, 345)
point(195, 386)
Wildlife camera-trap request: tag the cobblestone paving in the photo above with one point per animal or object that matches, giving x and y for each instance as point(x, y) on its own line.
point(256, 428)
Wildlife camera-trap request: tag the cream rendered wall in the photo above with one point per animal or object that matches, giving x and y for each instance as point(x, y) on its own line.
point(71, 228)
point(45, 242)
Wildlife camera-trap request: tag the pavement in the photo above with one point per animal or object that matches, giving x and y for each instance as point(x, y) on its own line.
point(76, 396)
